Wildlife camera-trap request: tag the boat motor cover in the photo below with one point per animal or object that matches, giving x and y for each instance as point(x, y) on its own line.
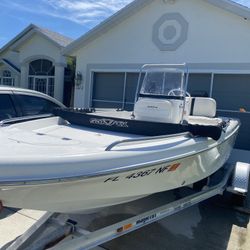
point(88, 119)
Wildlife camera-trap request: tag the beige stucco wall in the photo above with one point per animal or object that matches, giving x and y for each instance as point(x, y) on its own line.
point(13, 57)
point(214, 36)
point(38, 46)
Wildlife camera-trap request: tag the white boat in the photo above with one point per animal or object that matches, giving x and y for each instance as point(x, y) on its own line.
point(79, 161)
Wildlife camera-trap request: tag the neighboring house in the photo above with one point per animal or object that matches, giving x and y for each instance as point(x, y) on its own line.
point(211, 36)
point(33, 60)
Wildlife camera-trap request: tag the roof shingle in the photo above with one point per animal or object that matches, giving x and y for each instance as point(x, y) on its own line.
point(56, 37)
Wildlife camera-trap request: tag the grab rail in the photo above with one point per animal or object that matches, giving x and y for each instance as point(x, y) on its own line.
point(108, 148)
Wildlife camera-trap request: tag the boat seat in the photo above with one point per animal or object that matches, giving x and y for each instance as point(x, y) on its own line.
point(203, 111)
point(203, 106)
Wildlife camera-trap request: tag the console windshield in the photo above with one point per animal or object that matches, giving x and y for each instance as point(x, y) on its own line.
point(164, 83)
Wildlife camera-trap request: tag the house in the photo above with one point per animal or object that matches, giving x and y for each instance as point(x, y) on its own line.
point(211, 36)
point(33, 60)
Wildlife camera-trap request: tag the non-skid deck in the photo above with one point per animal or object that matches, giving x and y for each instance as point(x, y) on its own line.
point(56, 139)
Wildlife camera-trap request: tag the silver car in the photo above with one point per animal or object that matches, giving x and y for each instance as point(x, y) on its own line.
point(17, 102)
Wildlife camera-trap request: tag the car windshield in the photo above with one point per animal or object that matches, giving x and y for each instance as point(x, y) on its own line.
point(163, 82)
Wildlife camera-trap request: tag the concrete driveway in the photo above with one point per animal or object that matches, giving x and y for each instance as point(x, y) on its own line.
point(213, 224)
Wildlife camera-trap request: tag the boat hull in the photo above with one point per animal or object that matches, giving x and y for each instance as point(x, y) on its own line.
point(76, 195)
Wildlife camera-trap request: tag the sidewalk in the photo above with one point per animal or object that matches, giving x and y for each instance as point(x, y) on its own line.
point(13, 224)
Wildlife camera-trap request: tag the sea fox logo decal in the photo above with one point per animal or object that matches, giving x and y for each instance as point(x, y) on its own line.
point(108, 122)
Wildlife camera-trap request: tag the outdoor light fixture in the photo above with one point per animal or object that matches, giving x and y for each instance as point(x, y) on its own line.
point(78, 79)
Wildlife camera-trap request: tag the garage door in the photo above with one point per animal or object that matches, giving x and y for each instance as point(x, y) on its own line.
point(199, 84)
point(117, 90)
point(114, 90)
point(232, 93)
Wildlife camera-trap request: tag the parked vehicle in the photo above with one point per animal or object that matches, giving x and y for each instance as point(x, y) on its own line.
point(17, 102)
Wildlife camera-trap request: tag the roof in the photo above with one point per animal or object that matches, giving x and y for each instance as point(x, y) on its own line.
point(233, 7)
point(134, 7)
point(58, 39)
point(10, 64)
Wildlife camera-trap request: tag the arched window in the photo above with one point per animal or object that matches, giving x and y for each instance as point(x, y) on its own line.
point(42, 76)
point(8, 78)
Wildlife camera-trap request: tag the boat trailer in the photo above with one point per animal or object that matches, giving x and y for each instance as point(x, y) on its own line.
point(56, 231)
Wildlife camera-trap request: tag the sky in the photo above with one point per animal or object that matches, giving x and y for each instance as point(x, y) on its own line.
point(71, 18)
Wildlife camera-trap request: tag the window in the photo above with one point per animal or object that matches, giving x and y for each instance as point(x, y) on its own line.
point(7, 78)
point(41, 67)
point(33, 105)
point(42, 76)
point(7, 109)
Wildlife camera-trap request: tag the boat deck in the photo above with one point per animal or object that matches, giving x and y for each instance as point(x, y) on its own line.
point(67, 138)
point(54, 137)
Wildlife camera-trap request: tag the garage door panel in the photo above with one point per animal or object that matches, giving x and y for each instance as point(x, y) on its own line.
point(108, 86)
point(243, 138)
point(131, 84)
point(199, 84)
point(131, 87)
point(106, 104)
point(232, 92)
point(230, 102)
point(111, 91)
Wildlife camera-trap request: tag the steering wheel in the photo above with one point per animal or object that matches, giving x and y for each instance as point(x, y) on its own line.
point(177, 92)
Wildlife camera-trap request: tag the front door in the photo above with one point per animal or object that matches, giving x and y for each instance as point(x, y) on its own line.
point(41, 84)
point(44, 84)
